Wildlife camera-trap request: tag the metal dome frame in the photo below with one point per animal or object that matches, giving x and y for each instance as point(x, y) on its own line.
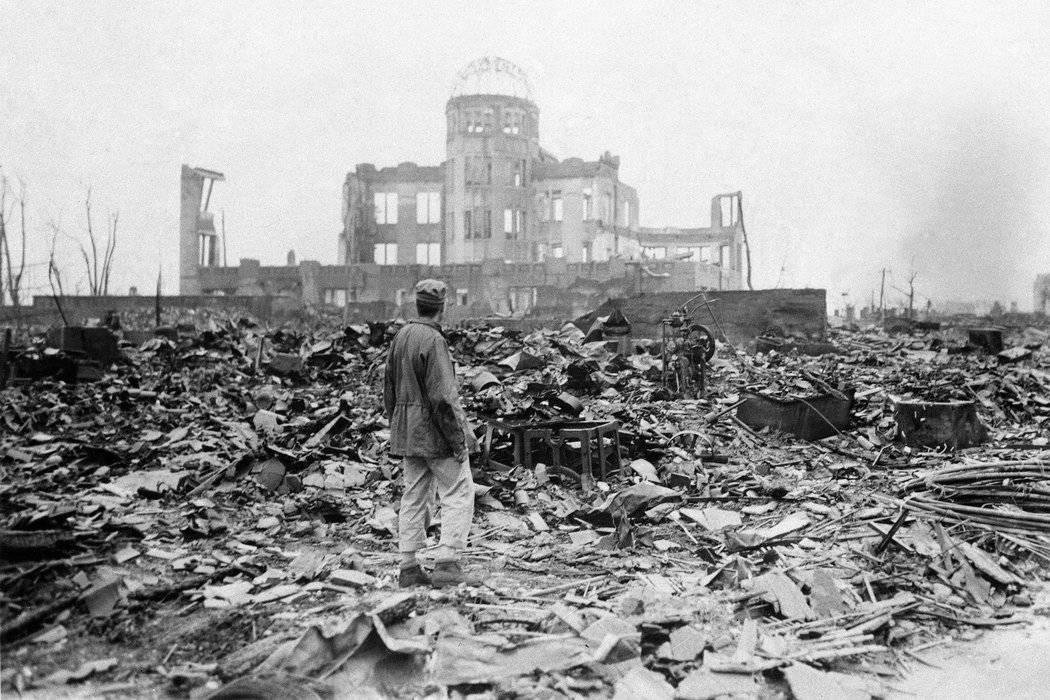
point(492, 65)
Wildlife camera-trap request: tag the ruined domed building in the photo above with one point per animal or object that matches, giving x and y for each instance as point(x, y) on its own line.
point(510, 227)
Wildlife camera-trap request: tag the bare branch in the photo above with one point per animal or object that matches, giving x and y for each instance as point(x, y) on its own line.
point(3, 233)
point(93, 268)
point(54, 277)
point(87, 266)
point(111, 247)
point(16, 285)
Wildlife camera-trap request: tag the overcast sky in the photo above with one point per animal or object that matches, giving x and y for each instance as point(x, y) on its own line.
point(913, 136)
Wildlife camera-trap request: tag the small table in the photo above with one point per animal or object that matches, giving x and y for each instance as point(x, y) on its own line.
point(599, 439)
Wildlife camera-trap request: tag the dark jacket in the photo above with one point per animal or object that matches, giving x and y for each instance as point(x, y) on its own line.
point(420, 396)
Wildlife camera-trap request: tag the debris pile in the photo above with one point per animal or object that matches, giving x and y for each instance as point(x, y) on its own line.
point(216, 514)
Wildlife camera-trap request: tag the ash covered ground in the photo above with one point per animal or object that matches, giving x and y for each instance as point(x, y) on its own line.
point(215, 515)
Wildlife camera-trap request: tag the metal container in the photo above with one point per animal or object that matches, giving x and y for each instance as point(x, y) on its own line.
point(810, 418)
point(988, 339)
point(938, 423)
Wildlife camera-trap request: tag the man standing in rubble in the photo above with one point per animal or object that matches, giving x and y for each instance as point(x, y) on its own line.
point(430, 432)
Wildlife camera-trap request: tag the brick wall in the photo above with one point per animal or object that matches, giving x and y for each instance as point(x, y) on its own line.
point(742, 314)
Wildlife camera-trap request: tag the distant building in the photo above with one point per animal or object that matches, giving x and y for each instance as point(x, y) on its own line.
point(1041, 294)
point(199, 245)
point(507, 224)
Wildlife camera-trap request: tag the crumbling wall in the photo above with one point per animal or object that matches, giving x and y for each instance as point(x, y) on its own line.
point(742, 314)
point(79, 309)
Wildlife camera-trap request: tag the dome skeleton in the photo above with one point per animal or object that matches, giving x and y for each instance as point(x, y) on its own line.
point(492, 71)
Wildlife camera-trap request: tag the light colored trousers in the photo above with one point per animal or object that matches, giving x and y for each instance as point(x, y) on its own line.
point(455, 491)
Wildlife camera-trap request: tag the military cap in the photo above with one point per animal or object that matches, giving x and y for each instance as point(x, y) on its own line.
point(431, 292)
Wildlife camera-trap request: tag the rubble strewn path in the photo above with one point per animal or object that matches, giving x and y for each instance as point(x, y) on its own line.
point(215, 517)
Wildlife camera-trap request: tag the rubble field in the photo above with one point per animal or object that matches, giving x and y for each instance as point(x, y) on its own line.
point(215, 516)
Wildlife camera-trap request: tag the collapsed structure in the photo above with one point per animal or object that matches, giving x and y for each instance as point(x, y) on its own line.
point(213, 514)
point(510, 227)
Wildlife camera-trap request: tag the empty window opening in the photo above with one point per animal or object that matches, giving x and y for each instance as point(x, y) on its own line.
point(557, 206)
point(729, 210)
point(386, 207)
point(517, 178)
point(588, 204)
point(513, 222)
point(385, 253)
point(428, 207)
point(522, 299)
point(335, 297)
point(476, 121)
point(461, 297)
point(428, 253)
point(512, 120)
point(477, 223)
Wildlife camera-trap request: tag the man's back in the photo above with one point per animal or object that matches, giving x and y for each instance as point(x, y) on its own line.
point(420, 395)
point(429, 430)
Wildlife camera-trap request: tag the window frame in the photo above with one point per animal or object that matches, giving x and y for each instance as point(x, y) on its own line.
point(385, 215)
point(431, 254)
point(384, 259)
point(430, 211)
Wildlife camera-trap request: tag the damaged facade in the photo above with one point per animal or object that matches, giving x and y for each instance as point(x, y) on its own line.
point(199, 244)
point(507, 225)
